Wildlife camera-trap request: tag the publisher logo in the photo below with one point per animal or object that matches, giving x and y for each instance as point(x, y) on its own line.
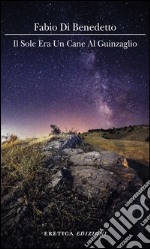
point(119, 227)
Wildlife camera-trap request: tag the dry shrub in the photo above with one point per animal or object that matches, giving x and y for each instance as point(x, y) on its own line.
point(20, 164)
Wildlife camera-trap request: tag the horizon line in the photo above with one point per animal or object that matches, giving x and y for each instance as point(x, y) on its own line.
point(75, 34)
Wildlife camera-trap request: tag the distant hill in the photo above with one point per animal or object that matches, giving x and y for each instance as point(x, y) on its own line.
point(132, 141)
point(136, 133)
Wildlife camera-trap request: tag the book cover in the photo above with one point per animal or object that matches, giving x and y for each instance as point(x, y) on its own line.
point(75, 124)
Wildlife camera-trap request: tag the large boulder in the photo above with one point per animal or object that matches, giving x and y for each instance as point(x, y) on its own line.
point(89, 181)
point(99, 174)
point(100, 183)
point(94, 158)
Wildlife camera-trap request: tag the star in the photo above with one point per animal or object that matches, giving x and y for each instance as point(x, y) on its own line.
point(82, 87)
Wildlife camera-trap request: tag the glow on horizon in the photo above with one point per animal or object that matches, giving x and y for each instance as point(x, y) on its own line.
point(41, 130)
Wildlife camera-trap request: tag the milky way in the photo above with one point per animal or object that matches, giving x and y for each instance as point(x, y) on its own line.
point(80, 88)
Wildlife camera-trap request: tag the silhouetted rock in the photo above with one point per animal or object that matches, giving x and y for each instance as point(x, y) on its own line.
point(68, 141)
point(72, 142)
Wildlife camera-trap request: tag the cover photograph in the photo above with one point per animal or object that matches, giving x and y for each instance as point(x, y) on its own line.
point(75, 124)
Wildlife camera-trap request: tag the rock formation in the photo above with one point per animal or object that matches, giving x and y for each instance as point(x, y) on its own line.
point(76, 181)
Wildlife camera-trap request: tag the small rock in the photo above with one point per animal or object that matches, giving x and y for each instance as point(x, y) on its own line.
point(56, 179)
point(21, 200)
point(52, 145)
point(17, 218)
point(71, 151)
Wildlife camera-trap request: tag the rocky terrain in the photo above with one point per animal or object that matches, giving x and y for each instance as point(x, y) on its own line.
point(78, 189)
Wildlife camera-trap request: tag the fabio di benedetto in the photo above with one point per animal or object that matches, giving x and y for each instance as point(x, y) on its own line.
point(75, 27)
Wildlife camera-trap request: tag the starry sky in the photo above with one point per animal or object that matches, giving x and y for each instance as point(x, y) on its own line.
point(79, 88)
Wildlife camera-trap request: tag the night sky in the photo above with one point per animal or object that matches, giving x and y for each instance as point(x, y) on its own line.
point(80, 88)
